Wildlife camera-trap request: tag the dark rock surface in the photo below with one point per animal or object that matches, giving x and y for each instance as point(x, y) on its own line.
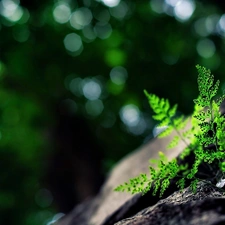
point(206, 207)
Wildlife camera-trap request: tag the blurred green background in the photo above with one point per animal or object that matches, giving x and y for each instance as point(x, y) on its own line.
point(72, 74)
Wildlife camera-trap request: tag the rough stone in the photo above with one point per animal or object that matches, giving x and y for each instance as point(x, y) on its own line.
point(205, 207)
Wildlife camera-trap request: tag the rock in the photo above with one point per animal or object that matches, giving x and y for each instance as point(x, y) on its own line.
point(206, 207)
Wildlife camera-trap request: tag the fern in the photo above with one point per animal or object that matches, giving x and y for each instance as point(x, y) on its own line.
point(174, 142)
point(207, 140)
point(166, 115)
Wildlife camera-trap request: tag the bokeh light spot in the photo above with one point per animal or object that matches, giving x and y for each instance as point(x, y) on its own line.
point(111, 3)
point(17, 15)
point(11, 10)
point(222, 22)
point(200, 27)
point(62, 13)
point(118, 75)
point(115, 57)
point(25, 17)
point(73, 42)
point(212, 23)
point(130, 115)
point(102, 16)
point(103, 30)
point(120, 11)
point(94, 108)
point(21, 34)
point(206, 48)
point(89, 33)
point(113, 88)
point(91, 89)
point(157, 6)
point(139, 128)
point(81, 18)
point(172, 3)
point(221, 25)
point(10, 5)
point(206, 26)
point(184, 9)
point(75, 86)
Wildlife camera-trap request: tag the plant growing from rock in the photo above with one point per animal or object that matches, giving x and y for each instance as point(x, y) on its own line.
point(207, 141)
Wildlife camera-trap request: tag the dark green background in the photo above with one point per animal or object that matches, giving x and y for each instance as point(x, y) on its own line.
point(57, 145)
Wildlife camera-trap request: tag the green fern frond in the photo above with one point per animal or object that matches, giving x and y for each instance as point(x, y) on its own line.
point(159, 117)
point(180, 122)
point(220, 99)
point(159, 106)
point(163, 112)
point(214, 89)
point(164, 122)
point(157, 162)
point(156, 187)
point(185, 152)
point(193, 185)
point(135, 185)
point(202, 116)
point(166, 132)
point(222, 166)
point(205, 85)
point(172, 111)
point(181, 183)
point(162, 157)
point(164, 185)
point(174, 142)
point(152, 172)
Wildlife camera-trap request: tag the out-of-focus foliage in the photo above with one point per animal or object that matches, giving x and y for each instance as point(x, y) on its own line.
point(94, 58)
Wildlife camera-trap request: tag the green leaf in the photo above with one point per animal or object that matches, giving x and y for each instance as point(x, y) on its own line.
point(159, 117)
point(162, 157)
point(214, 89)
point(193, 185)
point(174, 142)
point(220, 99)
point(152, 172)
point(185, 152)
point(164, 185)
point(173, 111)
point(166, 132)
point(202, 116)
point(181, 183)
